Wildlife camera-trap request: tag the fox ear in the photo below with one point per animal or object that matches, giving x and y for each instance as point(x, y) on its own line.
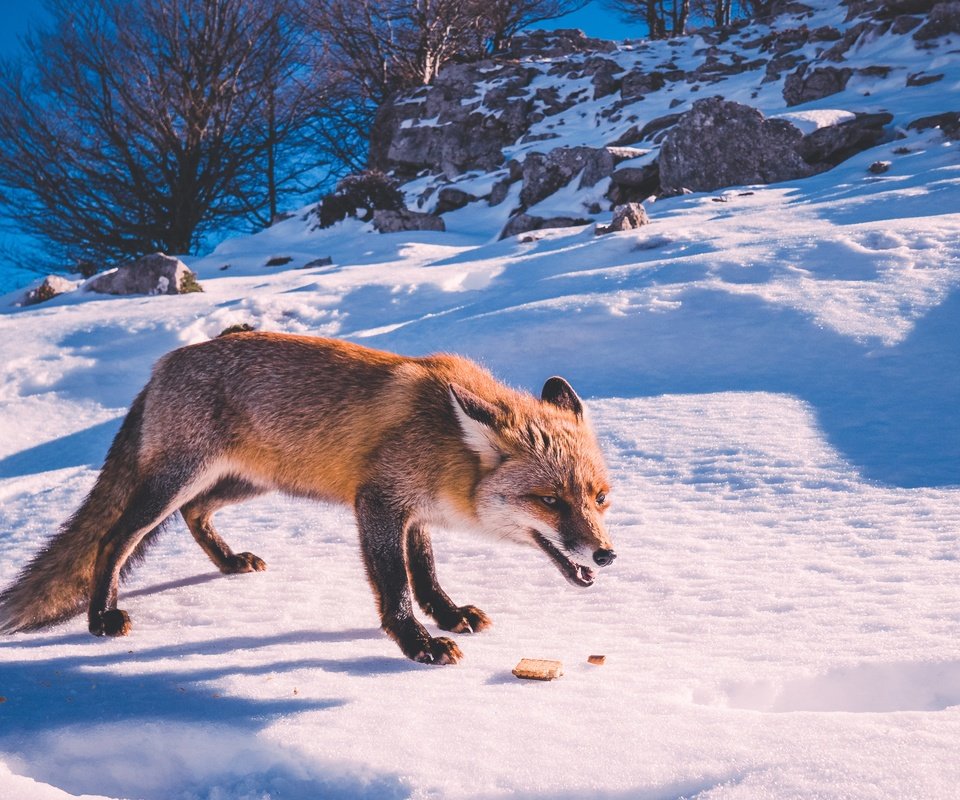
point(560, 393)
point(478, 420)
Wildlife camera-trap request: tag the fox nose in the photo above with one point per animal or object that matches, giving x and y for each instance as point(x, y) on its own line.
point(603, 557)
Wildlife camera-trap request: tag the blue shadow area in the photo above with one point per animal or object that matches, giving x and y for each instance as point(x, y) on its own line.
point(891, 412)
point(83, 448)
point(44, 698)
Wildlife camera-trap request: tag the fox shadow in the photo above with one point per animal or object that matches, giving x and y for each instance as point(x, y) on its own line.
point(117, 695)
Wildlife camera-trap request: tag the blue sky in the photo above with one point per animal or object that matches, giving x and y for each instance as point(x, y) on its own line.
point(594, 20)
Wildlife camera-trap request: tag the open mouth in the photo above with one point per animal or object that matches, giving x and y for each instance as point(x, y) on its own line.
point(577, 574)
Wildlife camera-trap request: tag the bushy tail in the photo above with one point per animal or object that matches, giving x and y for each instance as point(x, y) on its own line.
point(56, 584)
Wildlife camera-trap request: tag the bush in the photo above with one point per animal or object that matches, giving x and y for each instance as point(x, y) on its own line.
point(359, 196)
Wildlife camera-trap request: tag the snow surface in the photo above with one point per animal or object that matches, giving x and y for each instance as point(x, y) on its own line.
point(774, 373)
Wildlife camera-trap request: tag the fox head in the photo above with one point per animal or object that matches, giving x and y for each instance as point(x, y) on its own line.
point(544, 480)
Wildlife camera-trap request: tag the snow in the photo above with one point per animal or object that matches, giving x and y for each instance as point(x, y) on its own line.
point(773, 372)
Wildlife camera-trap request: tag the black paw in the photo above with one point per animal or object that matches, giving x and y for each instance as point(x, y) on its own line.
point(112, 622)
point(465, 619)
point(243, 562)
point(439, 650)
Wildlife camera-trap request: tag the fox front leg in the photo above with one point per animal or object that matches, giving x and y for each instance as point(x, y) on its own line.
point(431, 597)
point(382, 525)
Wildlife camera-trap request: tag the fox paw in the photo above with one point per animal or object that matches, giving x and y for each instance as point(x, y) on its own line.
point(465, 619)
point(112, 622)
point(243, 562)
point(439, 650)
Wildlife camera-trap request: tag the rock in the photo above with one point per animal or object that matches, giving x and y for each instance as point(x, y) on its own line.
point(499, 191)
point(850, 37)
point(905, 24)
point(802, 86)
point(521, 223)
point(879, 167)
point(451, 199)
point(555, 44)
point(406, 220)
point(948, 123)
point(638, 83)
point(49, 288)
point(652, 131)
point(944, 18)
point(446, 128)
point(721, 143)
point(152, 274)
point(830, 145)
point(278, 261)
point(602, 71)
point(323, 261)
point(894, 8)
point(627, 217)
point(634, 184)
point(781, 64)
point(543, 174)
point(923, 78)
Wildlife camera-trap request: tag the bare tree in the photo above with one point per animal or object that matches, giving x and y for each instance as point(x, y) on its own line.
point(506, 18)
point(142, 125)
point(666, 18)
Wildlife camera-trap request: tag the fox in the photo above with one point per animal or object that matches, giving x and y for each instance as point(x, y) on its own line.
point(410, 443)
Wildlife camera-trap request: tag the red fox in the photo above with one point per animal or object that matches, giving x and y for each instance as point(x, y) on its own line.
point(410, 443)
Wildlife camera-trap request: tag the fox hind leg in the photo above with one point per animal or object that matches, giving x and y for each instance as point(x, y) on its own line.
point(431, 597)
point(151, 503)
point(198, 514)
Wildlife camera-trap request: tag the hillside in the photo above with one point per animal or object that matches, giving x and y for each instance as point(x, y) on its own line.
point(773, 367)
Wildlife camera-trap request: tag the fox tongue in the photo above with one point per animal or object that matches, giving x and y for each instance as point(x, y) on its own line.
point(577, 574)
point(584, 575)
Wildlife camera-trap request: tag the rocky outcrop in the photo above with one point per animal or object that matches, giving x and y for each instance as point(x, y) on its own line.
point(153, 274)
point(406, 220)
point(722, 143)
point(446, 127)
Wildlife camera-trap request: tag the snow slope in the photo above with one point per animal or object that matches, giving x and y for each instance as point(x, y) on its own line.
point(774, 378)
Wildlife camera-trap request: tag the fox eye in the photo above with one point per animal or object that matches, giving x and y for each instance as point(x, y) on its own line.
point(549, 500)
point(601, 499)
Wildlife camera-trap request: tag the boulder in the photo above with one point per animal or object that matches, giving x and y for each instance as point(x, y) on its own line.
point(521, 223)
point(49, 288)
point(633, 184)
point(722, 143)
point(406, 220)
point(802, 86)
point(893, 8)
point(948, 123)
point(944, 19)
point(543, 173)
point(638, 83)
point(452, 199)
point(156, 273)
point(602, 71)
point(627, 217)
point(832, 144)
